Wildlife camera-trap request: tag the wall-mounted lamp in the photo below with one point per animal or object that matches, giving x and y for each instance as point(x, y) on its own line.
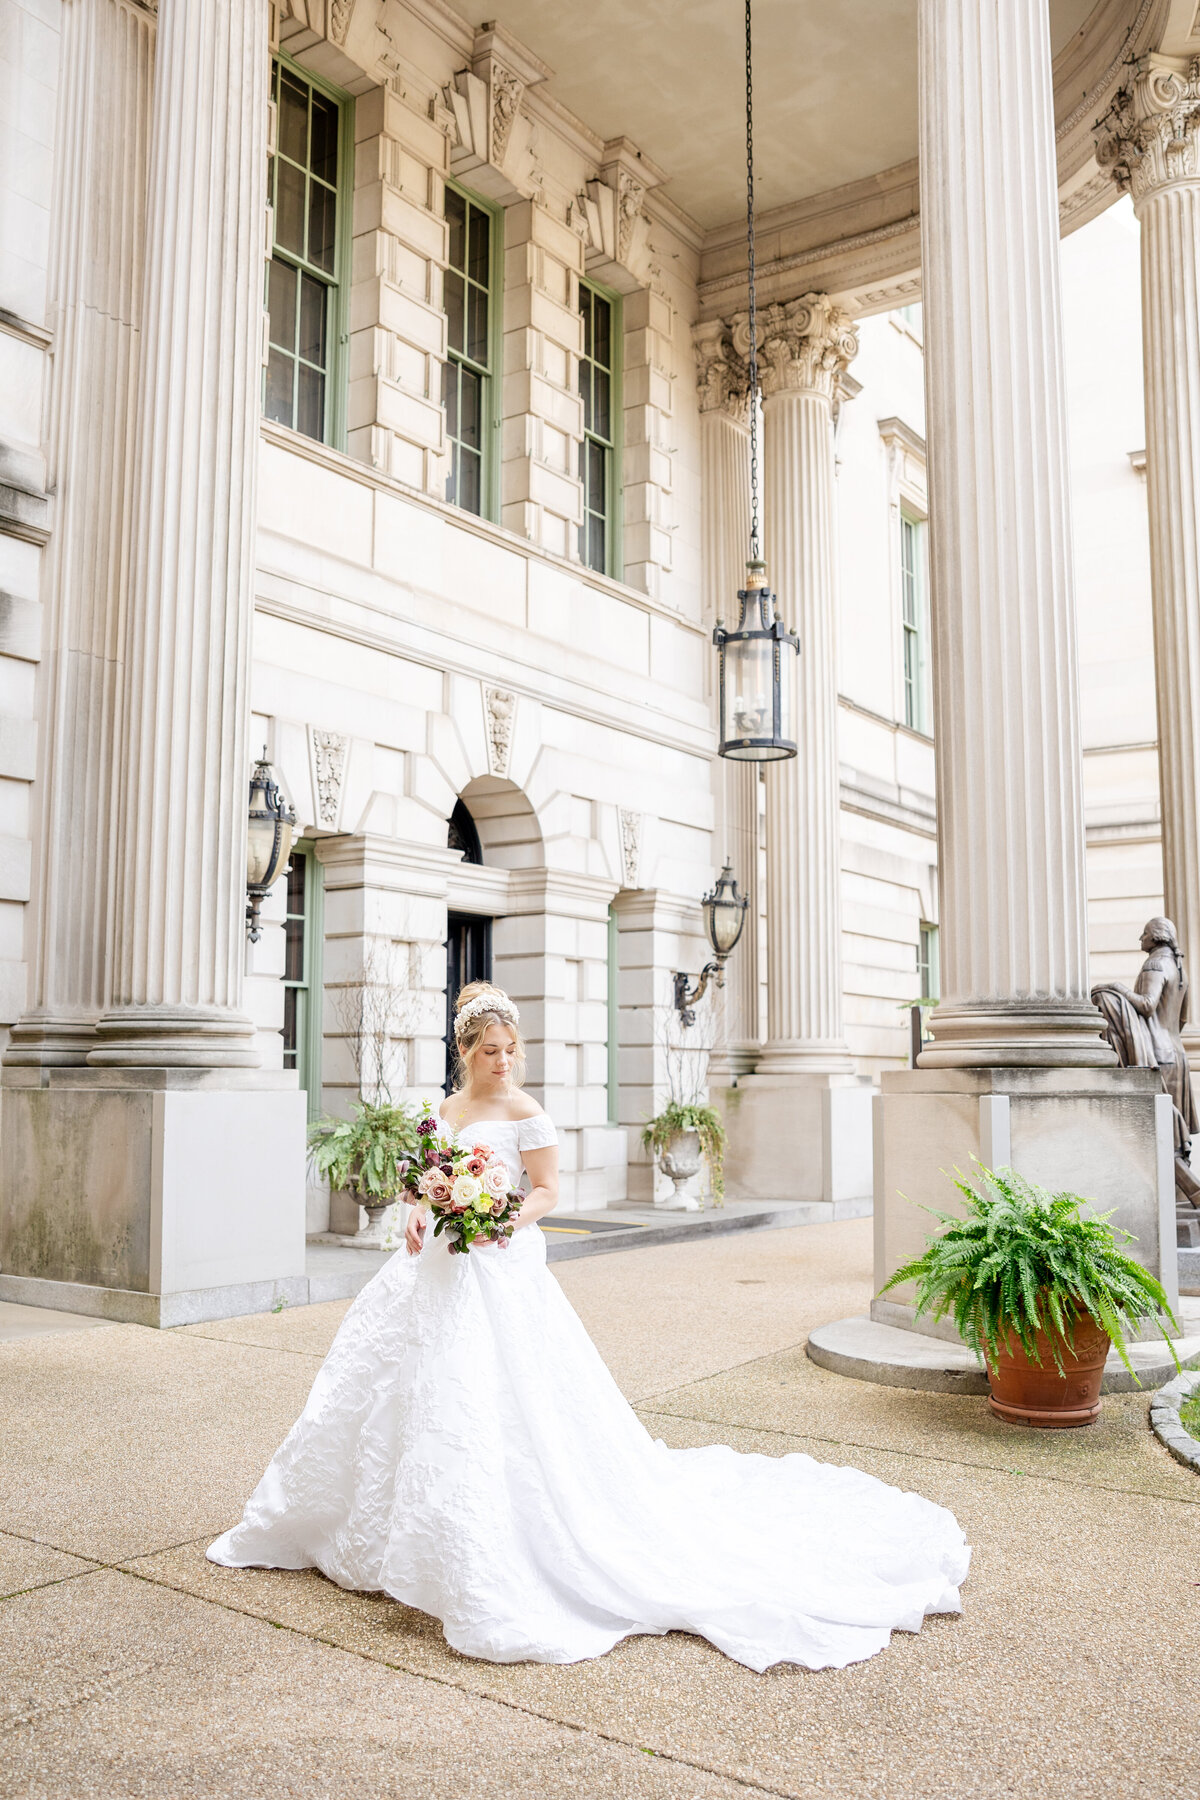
point(724, 917)
point(269, 840)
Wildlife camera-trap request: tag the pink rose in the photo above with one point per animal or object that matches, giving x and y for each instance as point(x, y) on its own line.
point(498, 1207)
point(475, 1164)
point(481, 1150)
point(438, 1191)
point(495, 1180)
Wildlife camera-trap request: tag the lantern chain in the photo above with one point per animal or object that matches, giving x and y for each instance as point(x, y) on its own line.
point(755, 546)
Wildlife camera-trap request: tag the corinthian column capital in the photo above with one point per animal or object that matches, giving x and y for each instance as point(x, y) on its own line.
point(722, 374)
point(1147, 140)
point(803, 345)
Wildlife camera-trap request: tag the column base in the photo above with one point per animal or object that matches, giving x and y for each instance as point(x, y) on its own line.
point(729, 1062)
point(804, 1057)
point(1029, 1034)
point(177, 1193)
point(797, 1137)
point(174, 1037)
point(49, 1041)
point(1105, 1133)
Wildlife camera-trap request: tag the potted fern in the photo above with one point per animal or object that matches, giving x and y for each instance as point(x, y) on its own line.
point(680, 1135)
point(364, 1155)
point(1039, 1291)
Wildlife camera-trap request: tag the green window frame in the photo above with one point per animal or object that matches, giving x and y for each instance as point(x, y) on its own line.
point(600, 446)
point(303, 987)
point(914, 613)
point(927, 962)
point(310, 188)
point(471, 298)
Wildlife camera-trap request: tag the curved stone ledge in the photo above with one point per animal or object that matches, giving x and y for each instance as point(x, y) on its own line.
point(1165, 1422)
point(866, 1350)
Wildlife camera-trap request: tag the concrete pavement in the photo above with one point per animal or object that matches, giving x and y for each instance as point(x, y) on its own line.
point(130, 1666)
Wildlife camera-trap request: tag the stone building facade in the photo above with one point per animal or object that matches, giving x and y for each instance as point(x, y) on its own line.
point(431, 478)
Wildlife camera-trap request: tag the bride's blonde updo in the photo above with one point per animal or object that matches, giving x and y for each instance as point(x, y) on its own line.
point(479, 1005)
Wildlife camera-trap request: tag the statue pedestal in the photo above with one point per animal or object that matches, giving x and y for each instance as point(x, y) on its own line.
point(798, 1137)
point(1107, 1134)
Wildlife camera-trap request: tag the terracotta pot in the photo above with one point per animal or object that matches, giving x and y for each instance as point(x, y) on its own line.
point(1034, 1393)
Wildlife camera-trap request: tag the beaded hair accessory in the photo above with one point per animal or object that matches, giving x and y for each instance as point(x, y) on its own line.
point(494, 1002)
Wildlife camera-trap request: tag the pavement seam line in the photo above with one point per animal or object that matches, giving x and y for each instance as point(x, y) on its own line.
point(814, 1437)
point(460, 1687)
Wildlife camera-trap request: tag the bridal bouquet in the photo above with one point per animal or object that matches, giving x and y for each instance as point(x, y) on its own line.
point(466, 1187)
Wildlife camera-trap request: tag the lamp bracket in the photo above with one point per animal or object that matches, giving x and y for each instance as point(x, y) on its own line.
point(685, 1002)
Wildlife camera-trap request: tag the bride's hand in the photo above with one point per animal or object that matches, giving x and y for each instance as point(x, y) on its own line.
point(414, 1231)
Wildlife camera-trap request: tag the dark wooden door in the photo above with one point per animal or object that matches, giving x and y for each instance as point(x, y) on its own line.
point(468, 958)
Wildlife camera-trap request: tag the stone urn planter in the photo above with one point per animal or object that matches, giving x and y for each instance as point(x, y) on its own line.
point(1028, 1392)
point(679, 1162)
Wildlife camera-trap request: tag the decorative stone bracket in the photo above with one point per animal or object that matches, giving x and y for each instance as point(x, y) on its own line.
point(491, 139)
point(609, 216)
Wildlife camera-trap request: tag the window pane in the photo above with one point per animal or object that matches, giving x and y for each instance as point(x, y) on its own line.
point(310, 403)
point(585, 391)
point(289, 209)
point(602, 332)
point(601, 410)
point(480, 246)
point(450, 397)
point(456, 219)
point(324, 139)
point(293, 117)
point(293, 950)
point(281, 303)
point(322, 207)
point(470, 481)
point(290, 1022)
point(313, 310)
point(455, 312)
point(470, 422)
point(595, 556)
point(281, 373)
point(452, 476)
point(297, 870)
point(583, 459)
point(477, 325)
point(585, 310)
point(595, 478)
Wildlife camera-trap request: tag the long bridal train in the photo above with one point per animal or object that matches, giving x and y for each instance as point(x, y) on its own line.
point(465, 1450)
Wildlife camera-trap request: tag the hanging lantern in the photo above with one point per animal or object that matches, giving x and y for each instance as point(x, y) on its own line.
point(753, 686)
point(754, 677)
point(269, 840)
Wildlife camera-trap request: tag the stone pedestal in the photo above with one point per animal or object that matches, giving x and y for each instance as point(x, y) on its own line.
point(159, 1196)
point(798, 1137)
point(1104, 1133)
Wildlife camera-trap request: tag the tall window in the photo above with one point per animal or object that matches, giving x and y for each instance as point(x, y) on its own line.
point(303, 294)
point(914, 615)
point(302, 987)
point(468, 372)
point(598, 451)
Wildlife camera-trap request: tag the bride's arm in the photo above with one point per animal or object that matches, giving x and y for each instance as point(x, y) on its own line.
point(541, 1166)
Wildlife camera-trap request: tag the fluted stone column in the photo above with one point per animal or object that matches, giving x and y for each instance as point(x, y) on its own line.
point(178, 932)
point(725, 531)
point(1150, 143)
point(805, 345)
point(95, 293)
point(1010, 809)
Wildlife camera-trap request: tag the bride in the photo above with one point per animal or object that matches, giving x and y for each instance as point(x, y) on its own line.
point(465, 1450)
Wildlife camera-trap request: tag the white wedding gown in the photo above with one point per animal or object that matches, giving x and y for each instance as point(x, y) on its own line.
point(465, 1450)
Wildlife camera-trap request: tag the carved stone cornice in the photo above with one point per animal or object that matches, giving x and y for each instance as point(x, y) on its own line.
point(1148, 138)
point(722, 375)
point(804, 346)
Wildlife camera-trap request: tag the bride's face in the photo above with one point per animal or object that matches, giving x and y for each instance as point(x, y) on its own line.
point(492, 1063)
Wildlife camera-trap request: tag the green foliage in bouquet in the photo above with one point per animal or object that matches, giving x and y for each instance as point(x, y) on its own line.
point(364, 1153)
point(1024, 1260)
point(678, 1116)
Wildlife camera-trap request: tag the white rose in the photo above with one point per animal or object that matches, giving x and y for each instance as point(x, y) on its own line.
point(467, 1190)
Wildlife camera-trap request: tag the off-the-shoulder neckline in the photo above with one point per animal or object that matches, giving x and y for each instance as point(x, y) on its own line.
point(472, 1123)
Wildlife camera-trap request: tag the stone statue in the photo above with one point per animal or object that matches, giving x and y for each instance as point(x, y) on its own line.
point(1144, 1025)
